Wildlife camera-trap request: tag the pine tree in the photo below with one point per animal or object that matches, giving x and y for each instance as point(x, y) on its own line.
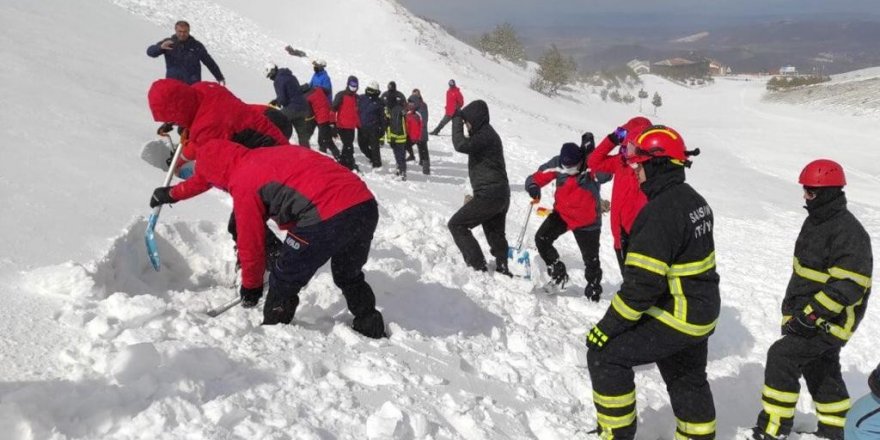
point(656, 101)
point(556, 70)
point(504, 42)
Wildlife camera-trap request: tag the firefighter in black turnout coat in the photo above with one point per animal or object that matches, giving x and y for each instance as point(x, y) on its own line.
point(669, 302)
point(824, 303)
point(488, 175)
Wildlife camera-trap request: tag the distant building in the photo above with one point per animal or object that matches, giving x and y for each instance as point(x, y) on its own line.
point(788, 70)
point(639, 67)
point(718, 69)
point(681, 68)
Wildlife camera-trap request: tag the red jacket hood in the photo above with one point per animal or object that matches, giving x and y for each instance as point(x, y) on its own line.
point(173, 101)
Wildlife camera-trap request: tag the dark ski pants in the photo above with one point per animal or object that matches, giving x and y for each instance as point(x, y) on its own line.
point(587, 240)
point(344, 240)
point(280, 120)
point(300, 125)
point(346, 159)
point(443, 122)
point(681, 360)
point(325, 140)
point(621, 252)
point(491, 213)
point(424, 160)
point(368, 143)
point(272, 242)
point(399, 149)
point(817, 359)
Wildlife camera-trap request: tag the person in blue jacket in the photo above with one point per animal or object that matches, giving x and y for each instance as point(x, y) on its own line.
point(290, 100)
point(184, 56)
point(863, 419)
point(321, 78)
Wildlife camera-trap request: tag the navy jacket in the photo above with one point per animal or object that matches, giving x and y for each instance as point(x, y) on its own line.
point(184, 60)
point(372, 112)
point(288, 93)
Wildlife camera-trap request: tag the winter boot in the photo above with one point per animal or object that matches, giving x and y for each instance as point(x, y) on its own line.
point(558, 274)
point(829, 432)
point(370, 325)
point(759, 434)
point(501, 267)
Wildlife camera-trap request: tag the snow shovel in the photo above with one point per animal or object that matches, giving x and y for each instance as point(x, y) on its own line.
point(149, 234)
point(518, 260)
point(157, 152)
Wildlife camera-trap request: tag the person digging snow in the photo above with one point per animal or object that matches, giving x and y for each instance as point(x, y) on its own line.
point(328, 212)
point(576, 208)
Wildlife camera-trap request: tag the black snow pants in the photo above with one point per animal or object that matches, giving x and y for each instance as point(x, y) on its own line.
point(346, 159)
point(817, 359)
point(587, 240)
point(681, 360)
point(368, 143)
point(491, 213)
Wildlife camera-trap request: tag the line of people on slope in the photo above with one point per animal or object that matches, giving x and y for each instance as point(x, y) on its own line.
point(667, 307)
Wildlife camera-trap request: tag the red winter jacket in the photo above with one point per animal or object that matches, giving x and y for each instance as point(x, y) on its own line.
point(346, 107)
point(210, 111)
point(454, 100)
point(413, 127)
point(320, 104)
point(577, 196)
point(294, 185)
point(627, 199)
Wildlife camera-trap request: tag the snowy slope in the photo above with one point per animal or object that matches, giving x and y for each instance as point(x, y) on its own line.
point(97, 345)
point(851, 93)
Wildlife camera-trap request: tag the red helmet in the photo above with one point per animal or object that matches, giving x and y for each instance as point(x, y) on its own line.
point(657, 141)
point(822, 172)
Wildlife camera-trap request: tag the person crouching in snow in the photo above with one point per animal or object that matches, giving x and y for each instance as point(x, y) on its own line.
point(577, 209)
point(327, 211)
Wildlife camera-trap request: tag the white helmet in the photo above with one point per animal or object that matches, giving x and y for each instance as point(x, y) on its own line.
point(269, 70)
point(319, 63)
point(374, 85)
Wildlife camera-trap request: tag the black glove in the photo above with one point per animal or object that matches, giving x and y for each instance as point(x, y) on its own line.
point(596, 339)
point(250, 297)
point(802, 325)
point(618, 136)
point(587, 142)
point(165, 128)
point(161, 196)
point(534, 191)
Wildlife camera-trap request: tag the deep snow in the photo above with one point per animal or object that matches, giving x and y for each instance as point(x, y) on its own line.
point(97, 345)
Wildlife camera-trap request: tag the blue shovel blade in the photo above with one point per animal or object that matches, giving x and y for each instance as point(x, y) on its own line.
point(150, 240)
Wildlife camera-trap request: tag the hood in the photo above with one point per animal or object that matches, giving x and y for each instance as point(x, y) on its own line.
point(216, 159)
point(173, 101)
point(476, 113)
point(415, 99)
point(284, 72)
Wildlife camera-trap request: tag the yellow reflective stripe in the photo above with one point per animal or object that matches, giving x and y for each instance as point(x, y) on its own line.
point(828, 303)
point(843, 274)
point(779, 411)
point(679, 309)
point(679, 325)
point(773, 425)
point(694, 268)
point(785, 318)
point(781, 396)
point(616, 422)
point(831, 420)
point(706, 428)
point(810, 274)
point(842, 332)
point(625, 310)
point(833, 407)
point(645, 262)
point(615, 401)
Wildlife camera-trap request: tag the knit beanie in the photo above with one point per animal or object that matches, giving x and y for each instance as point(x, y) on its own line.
point(570, 154)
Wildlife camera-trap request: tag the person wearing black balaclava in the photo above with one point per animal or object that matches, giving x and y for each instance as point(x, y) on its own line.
point(824, 303)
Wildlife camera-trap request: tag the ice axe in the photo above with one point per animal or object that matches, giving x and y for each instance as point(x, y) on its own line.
point(149, 234)
point(519, 256)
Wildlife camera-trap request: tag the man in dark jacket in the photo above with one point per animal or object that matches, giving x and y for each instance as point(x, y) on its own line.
point(824, 303)
point(345, 104)
point(669, 302)
point(488, 175)
point(289, 99)
point(328, 213)
point(576, 208)
point(372, 114)
point(184, 56)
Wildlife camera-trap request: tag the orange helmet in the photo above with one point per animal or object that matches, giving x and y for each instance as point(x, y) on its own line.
point(821, 173)
point(657, 141)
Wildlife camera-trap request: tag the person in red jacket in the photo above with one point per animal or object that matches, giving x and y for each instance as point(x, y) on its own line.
point(322, 117)
point(345, 104)
point(454, 102)
point(207, 111)
point(327, 211)
point(576, 209)
point(414, 136)
point(627, 199)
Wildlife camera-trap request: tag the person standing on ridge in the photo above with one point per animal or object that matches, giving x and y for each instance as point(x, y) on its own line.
point(576, 208)
point(454, 102)
point(824, 303)
point(372, 114)
point(289, 99)
point(321, 78)
point(669, 302)
point(487, 172)
point(345, 104)
point(422, 110)
point(184, 56)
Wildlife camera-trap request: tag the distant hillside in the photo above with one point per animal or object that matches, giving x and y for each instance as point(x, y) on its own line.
point(856, 93)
